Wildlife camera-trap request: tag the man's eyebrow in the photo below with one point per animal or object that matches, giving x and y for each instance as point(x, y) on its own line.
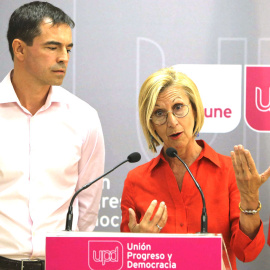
point(57, 43)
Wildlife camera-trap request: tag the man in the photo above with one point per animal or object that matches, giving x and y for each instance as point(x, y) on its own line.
point(51, 141)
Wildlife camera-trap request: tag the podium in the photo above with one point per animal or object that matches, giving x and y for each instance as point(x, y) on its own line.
point(115, 251)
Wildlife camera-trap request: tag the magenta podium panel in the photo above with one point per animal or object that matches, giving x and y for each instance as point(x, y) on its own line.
point(115, 251)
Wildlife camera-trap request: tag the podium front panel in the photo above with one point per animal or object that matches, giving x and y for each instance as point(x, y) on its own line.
point(115, 251)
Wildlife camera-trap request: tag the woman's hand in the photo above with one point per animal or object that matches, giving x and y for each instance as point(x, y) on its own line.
point(247, 177)
point(248, 182)
point(146, 225)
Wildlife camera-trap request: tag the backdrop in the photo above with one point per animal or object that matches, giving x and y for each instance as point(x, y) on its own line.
point(119, 43)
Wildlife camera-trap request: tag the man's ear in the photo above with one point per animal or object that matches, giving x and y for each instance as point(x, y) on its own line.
point(18, 49)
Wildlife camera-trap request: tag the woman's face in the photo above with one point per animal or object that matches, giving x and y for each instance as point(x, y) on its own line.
point(175, 132)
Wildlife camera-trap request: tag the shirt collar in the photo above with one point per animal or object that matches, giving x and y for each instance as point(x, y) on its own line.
point(56, 95)
point(207, 152)
point(8, 95)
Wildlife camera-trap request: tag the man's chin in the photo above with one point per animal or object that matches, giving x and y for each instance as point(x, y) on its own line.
point(57, 82)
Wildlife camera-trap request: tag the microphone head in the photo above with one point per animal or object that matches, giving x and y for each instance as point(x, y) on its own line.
point(134, 157)
point(171, 152)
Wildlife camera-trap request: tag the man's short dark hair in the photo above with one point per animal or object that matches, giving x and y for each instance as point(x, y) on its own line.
point(25, 21)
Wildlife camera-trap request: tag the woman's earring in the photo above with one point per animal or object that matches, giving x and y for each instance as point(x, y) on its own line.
point(197, 134)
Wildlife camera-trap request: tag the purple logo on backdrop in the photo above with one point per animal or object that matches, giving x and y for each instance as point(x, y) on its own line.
point(105, 255)
point(257, 106)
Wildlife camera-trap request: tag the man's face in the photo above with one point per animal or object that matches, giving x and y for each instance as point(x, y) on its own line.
point(46, 60)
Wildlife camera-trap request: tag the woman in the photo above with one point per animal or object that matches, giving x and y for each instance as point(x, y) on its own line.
point(160, 196)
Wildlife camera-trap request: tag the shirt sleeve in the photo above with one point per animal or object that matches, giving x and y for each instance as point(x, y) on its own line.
point(268, 241)
point(126, 203)
point(244, 248)
point(91, 166)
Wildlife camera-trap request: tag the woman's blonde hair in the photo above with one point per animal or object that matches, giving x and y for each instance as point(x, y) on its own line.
point(152, 87)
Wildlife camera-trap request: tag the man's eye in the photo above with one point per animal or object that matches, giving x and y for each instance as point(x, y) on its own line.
point(68, 51)
point(52, 48)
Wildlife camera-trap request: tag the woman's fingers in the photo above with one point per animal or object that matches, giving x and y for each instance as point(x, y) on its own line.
point(265, 175)
point(250, 162)
point(242, 160)
point(149, 223)
point(163, 220)
point(149, 212)
point(132, 224)
point(160, 218)
point(247, 177)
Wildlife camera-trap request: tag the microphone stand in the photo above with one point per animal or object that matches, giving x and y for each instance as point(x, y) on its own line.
point(70, 209)
point(204, 214)
point(171, 152)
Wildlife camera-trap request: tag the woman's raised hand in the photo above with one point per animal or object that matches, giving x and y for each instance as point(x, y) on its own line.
point(247, 177)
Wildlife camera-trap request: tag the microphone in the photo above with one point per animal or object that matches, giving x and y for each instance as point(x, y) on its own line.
point(171, 152)
point(132, 158)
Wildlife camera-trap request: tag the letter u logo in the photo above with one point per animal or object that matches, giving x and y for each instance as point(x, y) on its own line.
point(258, 100)
point(257, 107)
point(100, 259)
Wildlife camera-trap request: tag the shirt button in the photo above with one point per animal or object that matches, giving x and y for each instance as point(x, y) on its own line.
point(181, 224)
